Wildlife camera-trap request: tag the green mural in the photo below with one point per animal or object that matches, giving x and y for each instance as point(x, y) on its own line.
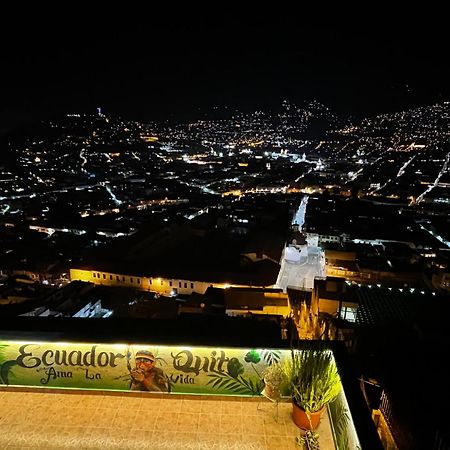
point(174, 369)
point(343, 427)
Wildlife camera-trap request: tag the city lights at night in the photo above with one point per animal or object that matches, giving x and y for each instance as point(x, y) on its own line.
point(187, 204)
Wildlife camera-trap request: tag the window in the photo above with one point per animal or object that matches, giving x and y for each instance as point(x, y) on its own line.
point(94, 275)
point(117, 278)
point(162, 283)
point(192, 285)
point(185, 285)
point(131, 279)
point(179, 284)
point(110, 277)
point(138, 281)
point(349, 314)
point(150, 281)
point(170, 283)
point(123, 279)
point(104, 276)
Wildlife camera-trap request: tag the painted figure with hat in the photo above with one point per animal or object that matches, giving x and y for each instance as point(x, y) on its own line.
point(145, 376)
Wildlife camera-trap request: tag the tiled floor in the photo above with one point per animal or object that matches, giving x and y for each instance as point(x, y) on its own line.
point(62, 420)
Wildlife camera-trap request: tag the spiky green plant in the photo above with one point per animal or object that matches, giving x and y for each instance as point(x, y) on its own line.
point(313, 377)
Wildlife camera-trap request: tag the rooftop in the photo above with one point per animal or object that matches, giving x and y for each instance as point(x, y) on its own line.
point(186, 253)
point(101, 417)
point(138, 421)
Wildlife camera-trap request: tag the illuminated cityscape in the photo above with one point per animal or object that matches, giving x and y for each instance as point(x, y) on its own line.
point(204, 235)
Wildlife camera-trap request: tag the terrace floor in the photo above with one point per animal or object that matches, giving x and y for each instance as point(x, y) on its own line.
point(41, 419)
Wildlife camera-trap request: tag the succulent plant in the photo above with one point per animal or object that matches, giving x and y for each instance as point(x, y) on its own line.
point(274, 375)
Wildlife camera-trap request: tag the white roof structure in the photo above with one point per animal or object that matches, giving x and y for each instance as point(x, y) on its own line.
point(301, 273)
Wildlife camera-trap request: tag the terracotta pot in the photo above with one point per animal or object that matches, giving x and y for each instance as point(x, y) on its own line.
point(271, 391)
point(301, 418)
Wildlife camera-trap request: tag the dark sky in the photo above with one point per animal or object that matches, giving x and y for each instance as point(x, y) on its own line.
point(154, 65)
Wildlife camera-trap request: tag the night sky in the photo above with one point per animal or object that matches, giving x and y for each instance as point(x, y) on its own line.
point(172, 65)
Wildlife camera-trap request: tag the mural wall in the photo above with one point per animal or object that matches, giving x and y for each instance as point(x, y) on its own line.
point(168, 369)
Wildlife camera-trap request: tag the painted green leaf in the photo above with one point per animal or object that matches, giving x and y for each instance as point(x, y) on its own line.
point(235, 367)
point(5, 370)
point(271, 356)
point(253, 356)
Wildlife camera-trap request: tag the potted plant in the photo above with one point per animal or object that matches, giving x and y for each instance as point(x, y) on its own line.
point(274, 378)
point(309, 440)
point(314, 382)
